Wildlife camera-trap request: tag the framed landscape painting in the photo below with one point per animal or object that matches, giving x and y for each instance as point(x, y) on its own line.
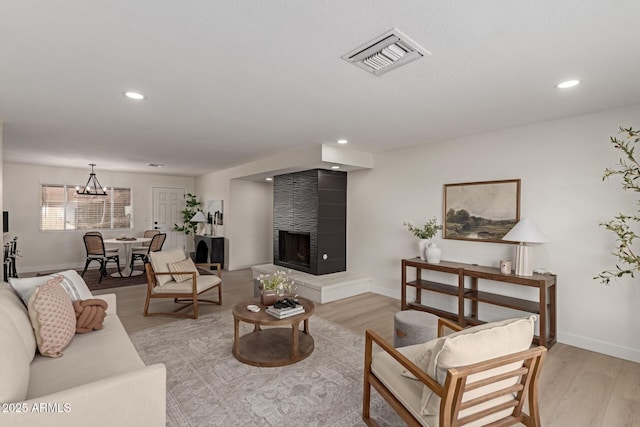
point(481, 211)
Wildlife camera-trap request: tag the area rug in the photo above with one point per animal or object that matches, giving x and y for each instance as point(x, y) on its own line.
point(92, 276)
point(207, 386)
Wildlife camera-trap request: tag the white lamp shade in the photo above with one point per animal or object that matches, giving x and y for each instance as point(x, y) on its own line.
point(526, 231)
point(199, 217)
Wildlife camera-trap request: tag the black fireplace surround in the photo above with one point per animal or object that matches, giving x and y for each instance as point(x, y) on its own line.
point(310, 221)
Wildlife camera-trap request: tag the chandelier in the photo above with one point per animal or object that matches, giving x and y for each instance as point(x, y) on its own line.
point(93, 187)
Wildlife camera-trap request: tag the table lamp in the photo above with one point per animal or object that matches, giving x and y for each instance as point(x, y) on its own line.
point(525, 231)
point(200, 219)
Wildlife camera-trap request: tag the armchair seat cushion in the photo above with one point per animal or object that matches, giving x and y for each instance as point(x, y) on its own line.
point(203, 282)
point(394, 377)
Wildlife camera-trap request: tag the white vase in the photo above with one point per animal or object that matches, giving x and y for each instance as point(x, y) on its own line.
point(433, 253)
point(422, 248)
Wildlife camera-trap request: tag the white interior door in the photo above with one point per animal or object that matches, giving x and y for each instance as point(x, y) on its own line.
point(167, 204)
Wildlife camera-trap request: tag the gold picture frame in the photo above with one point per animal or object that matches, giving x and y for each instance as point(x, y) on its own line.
point(481, 211)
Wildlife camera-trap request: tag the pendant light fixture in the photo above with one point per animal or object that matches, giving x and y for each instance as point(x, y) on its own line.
point(93, 187)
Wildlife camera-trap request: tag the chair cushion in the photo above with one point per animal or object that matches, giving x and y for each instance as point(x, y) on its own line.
point(203, 282)
point(52, 317)
point(160, 262)
point(72, 283)
point(470, 346)
point(181, 267)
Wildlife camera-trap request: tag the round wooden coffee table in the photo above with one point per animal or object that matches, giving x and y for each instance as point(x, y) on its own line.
point(273, 346)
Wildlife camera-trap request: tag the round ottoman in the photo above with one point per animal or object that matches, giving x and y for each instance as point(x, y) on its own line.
point(414, 327)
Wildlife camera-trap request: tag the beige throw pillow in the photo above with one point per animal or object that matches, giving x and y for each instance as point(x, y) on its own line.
point(181, 267)
point(474, 345)
point(52, 317)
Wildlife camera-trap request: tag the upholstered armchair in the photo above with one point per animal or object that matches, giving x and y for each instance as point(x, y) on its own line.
point(172, 275)
point(473, 377)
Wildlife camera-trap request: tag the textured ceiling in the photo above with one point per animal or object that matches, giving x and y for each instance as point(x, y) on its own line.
point(232, 81)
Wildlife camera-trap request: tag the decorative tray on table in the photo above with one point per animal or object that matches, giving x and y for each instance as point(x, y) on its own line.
point(126, 239)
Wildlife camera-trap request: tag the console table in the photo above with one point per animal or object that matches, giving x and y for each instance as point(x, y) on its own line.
point(545, 306)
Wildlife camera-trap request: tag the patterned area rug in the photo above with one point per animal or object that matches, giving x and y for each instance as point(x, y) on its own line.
point(92, 276)
point(207, 386)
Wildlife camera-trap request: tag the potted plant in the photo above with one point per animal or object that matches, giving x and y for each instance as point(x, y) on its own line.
point(425, 233)
point(191, 208)
point(624, 226)
point(275, 286)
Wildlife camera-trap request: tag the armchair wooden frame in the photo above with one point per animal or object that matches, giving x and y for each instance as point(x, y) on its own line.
point(187, 299)
point(456, 385)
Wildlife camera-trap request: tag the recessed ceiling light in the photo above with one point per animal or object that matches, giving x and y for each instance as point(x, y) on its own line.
point(568, 84)
point(134, 95)
point(269, 179)
point(155, 165)
point(335, 167)
point(342, 141)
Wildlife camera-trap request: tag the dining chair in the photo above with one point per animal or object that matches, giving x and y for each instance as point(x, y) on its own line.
point(149, 235)
point(107, 250)
point(94, 246)
point(142, 254)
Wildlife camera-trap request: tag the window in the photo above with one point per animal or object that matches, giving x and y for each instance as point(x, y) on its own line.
point(62, 209)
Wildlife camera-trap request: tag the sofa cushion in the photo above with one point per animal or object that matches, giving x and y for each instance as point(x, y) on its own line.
point(88, 358)
point(14, 361)
point(474, 345)
point(160, 261)
point(73, 284)
point(16, 312)
point(181, 267)
point(53, 318)
point(203, 282)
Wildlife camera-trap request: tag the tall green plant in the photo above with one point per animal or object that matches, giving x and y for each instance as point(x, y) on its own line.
point(191, 207)
point(624, 226)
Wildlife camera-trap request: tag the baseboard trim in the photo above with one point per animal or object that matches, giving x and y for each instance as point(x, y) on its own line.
point(586, 343)
point(598, 346)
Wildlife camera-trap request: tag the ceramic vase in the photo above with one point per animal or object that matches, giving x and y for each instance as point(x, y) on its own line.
point(434, 253)
point(268, 298)
point(422, 247)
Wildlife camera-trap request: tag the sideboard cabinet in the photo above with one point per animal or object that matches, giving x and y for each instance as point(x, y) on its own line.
point(468, 287)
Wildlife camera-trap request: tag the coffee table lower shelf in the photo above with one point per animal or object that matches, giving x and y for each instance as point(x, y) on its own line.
point(272, 347)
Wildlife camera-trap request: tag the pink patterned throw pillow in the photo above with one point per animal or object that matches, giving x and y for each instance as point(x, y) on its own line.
point(52, 317)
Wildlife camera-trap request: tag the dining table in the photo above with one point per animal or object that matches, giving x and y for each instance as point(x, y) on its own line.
point(127, 244)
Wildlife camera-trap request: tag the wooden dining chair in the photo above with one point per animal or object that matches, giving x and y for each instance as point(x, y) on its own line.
point(142, 254)
point(107, 250)
point(94, 246)
point(148, 234)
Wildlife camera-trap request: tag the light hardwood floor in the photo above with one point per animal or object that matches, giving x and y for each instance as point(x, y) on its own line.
point(578, 387)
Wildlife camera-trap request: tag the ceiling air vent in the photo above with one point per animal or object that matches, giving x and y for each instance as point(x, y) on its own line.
point(386, 52)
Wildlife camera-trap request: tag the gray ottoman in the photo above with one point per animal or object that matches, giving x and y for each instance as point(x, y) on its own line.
point(414, 327)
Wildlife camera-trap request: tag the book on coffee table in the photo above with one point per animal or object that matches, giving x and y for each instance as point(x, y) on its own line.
point(281, 313)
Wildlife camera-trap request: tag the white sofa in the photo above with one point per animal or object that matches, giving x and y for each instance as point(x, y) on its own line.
point(100, 380)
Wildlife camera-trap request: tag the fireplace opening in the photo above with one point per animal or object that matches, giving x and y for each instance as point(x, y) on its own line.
point(202, 252)
point(295, 248)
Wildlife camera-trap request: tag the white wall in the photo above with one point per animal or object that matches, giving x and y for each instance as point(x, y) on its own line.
point(51, 250)
point(560, 164)
point(248, 216)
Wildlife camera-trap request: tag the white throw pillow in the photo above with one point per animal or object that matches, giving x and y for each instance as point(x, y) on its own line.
point(72, 283)
point(474, 345)
point(182, 267)
point(160, 262)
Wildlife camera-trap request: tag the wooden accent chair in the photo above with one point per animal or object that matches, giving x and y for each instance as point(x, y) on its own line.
point(94, 246)
point(142, 254)
point(454, 381)
point(171, 275)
